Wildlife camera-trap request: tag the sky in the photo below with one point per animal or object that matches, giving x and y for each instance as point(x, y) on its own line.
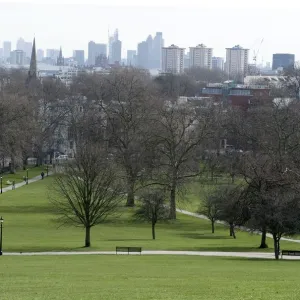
point(216, 23)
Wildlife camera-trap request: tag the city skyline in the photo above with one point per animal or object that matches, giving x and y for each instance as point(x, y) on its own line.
point(180, 26)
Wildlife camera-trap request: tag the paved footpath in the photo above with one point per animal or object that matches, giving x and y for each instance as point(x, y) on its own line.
point(250, 255)
point(20, 184)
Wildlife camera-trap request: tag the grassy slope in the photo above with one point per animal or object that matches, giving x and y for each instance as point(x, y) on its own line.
point(147, 277)
point(30, 226)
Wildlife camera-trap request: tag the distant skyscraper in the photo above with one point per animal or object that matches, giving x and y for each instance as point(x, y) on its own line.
point(201, 56)
point(1, 53)
point(131, 54)
point(114, 48)
point(283, 60)
point(6, 49)
point(40, 54)
point(116, 52)
point(95, 50)
point(158, 44)
point(236, 65)
point(78, 55)
point(218, 63)
point(173, 59)
point(149, 42)
point(60, 59)
point(143, 55)
point(17, 57)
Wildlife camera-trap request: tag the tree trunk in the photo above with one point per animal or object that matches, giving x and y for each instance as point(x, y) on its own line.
point(232, 233)
point(130, 192)
point(12, 166)
point(276, 246)
point(212, 226)
point(172, 213)
point(87, 237)
point(232, 178)
point(153, 230)
point(263, 243)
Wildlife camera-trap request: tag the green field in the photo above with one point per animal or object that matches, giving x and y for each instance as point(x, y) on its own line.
point(147, 277)
point(18, 176)
point(30, 225)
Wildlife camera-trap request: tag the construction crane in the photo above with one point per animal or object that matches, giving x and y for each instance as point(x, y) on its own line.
point(256, 52)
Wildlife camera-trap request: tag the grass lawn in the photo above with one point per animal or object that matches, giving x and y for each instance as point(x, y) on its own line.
point(18, 176)
point(30, 225)
point(147, 277)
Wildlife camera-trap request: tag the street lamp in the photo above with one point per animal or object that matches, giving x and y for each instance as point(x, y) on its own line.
point(27, 176)
point(1, 224)
point(1, 184)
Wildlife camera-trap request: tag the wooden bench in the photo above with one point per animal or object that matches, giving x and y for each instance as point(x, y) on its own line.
point(290, 252)
point(129, 250)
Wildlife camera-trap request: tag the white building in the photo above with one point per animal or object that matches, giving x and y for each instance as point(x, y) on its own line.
point(172, 59)
point(236, 65)
point(218, 63)
point(201, 56)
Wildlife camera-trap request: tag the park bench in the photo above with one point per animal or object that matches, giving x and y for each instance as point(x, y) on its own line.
point(129, 250)
point(290, 252)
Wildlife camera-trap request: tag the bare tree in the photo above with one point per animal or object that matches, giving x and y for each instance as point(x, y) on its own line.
point(210, 207)
point(152, 208)
point(180, 131)
point(88, 191)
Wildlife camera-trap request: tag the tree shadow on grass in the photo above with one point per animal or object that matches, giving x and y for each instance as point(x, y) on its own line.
point(203, 236)
point(127, 240)
point(26, 209)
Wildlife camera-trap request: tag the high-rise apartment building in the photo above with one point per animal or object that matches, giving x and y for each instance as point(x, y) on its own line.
point(131, 55)
point(283, 60)
point(6, 49)
point(201, 56)
point(217, 63)
point(236, 65)
point(78, 55)
point(173, 59)
point(95, 50)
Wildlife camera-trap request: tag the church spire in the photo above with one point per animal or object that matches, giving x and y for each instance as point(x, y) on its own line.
point(60, 59)
point(32, 73)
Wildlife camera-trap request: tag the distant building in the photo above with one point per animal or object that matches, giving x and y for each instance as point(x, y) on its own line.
point(131, 54)
point(218, 63)
point(52, 54)
point(187, 60)
point(116, 52)
point(172, 59)
point(101, 61)
point(201, 56)
point(143, 55)
point(6, 49)
point(283, 60)
point(60, 60)
point(236, 65)
point(114, 48)
point(1, 53)
point(40, 54)
point(24, 46)
point(17, 57)
point(95, 50)
point(78, 56)
point(157, 45)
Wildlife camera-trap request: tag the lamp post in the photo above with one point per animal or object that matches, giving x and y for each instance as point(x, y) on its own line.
point(1, 235)
point(1, 184)
point(27, 176)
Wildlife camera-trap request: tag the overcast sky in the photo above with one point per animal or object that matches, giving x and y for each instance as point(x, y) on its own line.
point(216, 23)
